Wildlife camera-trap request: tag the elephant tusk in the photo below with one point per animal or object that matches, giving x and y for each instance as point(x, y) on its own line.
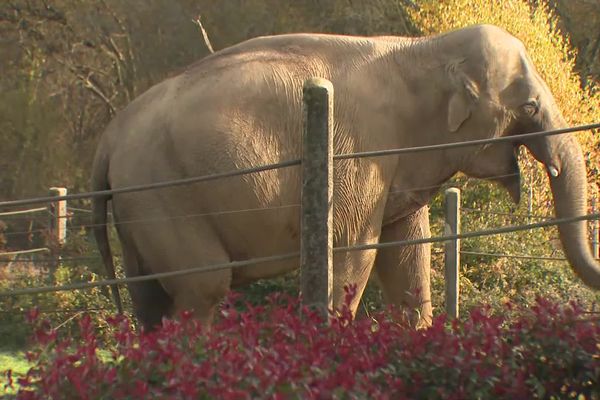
point(553, 171)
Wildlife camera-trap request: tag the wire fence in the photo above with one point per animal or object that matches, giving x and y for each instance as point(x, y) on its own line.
point(505, 214)
point(213, 213)
point(60, 259)
point(290, 163)
point(515, 256)
point(205, 214)
point(287, 256)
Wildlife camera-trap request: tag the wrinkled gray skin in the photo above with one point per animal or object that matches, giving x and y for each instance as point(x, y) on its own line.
point(241, 107)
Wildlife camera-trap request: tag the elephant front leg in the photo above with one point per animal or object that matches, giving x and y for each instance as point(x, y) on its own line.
point(352, 269)
point(403, 272)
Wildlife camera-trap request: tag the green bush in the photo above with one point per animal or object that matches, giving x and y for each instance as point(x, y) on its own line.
point(492, 279)
point(59, 308)
point(281, 351)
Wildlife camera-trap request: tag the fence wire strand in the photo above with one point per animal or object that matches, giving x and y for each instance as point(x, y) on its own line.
point(143, 278)
point(21, 212)
point(58, 259)
point(20, 252)
point(504, 214)
point(223, 212)
point(467, 235)
point(447, 146)
point(288, 256)
point(150, 186)
point(289, 163)
point(517, 256)
point(158, 219)
point(81, 210)
point(28, 232)
point(58, 311)
point(237, 264)
point(33, 218)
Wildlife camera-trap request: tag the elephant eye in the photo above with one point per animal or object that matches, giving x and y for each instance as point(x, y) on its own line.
point(532, 107)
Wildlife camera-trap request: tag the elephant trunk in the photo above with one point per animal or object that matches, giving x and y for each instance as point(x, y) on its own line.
point(563, 159)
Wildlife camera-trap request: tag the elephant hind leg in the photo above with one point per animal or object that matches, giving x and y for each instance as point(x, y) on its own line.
point(150, 301)
point(163, 248)
point(403, 273)
point(196, 246)
point(200, 293)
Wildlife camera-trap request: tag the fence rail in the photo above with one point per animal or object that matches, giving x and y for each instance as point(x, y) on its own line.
point(21, 252)
point(21, 212)
point(451, 238)
point(55, 212)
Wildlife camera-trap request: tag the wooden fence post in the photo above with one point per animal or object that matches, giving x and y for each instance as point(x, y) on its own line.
point(595, 230)
point(316, 248)
point(452, 250)
point(58, 226)
point(58, 216)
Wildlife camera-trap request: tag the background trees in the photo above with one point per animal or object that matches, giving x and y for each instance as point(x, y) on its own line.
point(68, 65)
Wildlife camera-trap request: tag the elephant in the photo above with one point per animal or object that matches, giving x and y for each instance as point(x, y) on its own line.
point(241, 107)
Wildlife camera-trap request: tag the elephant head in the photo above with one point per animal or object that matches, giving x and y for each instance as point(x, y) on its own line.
point(498, 92)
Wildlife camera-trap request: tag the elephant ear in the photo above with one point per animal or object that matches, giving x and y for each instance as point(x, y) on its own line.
point(464, 95)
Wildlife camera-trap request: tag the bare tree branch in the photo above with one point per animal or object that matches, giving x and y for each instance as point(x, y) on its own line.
point(88, 83)
point(204, 34)
point(131, 69)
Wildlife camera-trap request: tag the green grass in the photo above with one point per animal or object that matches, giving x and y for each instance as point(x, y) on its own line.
point(15, 361)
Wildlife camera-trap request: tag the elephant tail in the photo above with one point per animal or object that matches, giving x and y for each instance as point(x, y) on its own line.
point(99, 221)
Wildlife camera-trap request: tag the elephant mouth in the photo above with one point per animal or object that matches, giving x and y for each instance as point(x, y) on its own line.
point(499, 164)
point(511, 181)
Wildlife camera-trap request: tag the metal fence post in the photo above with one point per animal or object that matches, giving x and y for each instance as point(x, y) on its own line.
point(530, 199)
point(316, 248)
point(595, 229)
point(452, 250)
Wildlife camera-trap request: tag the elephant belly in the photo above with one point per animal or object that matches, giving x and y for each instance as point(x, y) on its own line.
point(247, 275)
point(259, 236)
point(401, 203)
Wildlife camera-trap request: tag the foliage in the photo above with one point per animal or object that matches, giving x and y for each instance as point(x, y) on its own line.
point(552, 57)
point(490, 279)
point(61, 308)
point(68, 65)
point(17, 363)
point(72, 64)
point(580, 21)
point(278, 351)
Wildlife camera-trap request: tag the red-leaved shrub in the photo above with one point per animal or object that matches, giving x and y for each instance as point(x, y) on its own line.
point(281, 351)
